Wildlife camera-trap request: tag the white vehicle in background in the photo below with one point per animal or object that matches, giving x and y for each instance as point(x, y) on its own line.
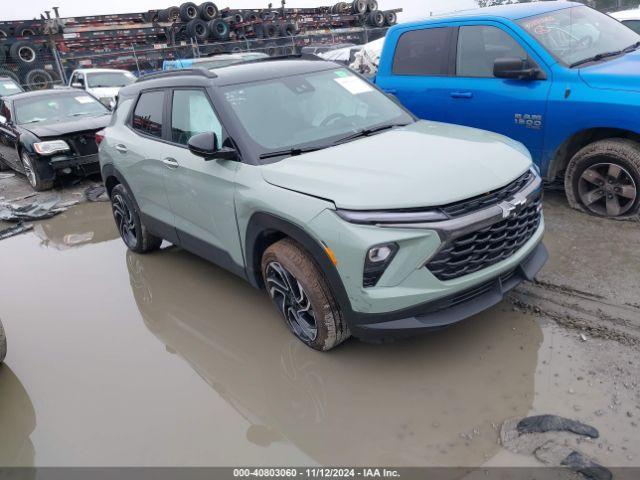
point(630, 18)
point(101, 83)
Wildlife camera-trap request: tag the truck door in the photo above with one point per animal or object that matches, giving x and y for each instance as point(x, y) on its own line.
point(515, 108)
point(418, 75)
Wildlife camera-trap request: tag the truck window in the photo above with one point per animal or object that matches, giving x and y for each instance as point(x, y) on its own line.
point(424, 52)
point(633, 25)
point(480, 46)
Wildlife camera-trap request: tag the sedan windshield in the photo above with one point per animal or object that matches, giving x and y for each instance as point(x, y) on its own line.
point(579, 35)
point(310, 110)
point(57, 108)
point(8, 87)
point(110, 79)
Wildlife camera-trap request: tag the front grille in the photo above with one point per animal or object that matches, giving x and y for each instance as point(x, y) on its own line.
point(83, 143)
point(492, 198)
point(483, 248)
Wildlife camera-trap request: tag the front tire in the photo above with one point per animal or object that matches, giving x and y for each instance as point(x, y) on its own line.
point(34, 173)
point(298, 289)
point(604, 177)
point(133, 232)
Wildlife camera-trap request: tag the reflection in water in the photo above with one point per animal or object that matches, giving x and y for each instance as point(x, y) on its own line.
point(17, 421)
point(415, 402)
point(83, 224)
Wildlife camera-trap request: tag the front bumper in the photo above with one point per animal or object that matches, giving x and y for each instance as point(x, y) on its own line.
point(448, 310)
point(86, 164)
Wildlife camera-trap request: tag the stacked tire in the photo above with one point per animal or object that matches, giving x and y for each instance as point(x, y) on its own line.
point(189, 11)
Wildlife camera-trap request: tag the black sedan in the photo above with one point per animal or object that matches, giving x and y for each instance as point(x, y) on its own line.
point(50, 132)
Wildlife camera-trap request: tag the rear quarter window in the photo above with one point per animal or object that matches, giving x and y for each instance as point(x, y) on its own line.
point(424, 52)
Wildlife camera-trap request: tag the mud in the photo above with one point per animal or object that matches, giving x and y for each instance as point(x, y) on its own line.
point(121, 359)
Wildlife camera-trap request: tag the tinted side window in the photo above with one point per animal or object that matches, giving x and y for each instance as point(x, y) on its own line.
point(480, 46)
point(147, 116)
point(423, 52)
point(192, 114)
point(633, 25)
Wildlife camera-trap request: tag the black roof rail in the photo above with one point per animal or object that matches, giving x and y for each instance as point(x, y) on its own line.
point(178, 73)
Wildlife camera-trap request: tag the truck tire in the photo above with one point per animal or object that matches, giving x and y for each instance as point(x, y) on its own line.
point(8, 73)
point(24, 53)
point(372, 5)
point(35, 174)
point(289, 29)
point(208, 11)
point(133, 232)
point(269, 30)
point(604, 179)
point(4, 33)
point(376, 19)
point(171, 14)
point(359, 6)
point(3, 343)
point(188, 11)
point(38, 80)
point(390, 18)
point(198, 29)
point(24, 30)
point(219, 30)
point(301, 294)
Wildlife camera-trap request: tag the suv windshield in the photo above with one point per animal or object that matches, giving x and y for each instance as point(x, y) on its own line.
point(110, 79)
point(312, 109)
point(57, 108)
point(8, 87)
point(580, 34)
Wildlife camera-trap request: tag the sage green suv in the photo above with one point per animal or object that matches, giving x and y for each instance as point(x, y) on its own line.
point(309, 182)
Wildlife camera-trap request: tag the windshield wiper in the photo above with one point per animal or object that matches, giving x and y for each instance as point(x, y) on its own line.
point(632, 48)
point(368, 132)
point(292, 152)
point(597, 58)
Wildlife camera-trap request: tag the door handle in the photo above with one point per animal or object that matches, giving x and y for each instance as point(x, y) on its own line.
point(171, 163)
point(461, 95)
point(122, 148)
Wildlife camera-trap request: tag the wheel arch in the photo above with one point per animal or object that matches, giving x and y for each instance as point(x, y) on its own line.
point(264, 229)
point(581, 139)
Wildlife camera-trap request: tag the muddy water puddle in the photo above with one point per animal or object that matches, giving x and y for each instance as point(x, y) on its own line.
point(121, 359)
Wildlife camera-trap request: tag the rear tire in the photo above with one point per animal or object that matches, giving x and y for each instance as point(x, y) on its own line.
point(603, 179)
point(133, 232)
point(299, 290)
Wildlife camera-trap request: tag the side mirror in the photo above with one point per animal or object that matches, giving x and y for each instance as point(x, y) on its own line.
point(515, 68)
point(77, 85)
point(205, 145)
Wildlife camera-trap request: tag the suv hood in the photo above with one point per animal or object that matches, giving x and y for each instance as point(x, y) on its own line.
point(424, 164)
point(78, 124)
point(621, 73)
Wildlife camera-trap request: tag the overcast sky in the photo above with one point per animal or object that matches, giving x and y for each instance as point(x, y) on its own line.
point(26, 9)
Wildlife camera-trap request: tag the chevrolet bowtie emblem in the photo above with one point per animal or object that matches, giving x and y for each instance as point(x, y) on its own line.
point(509, 207)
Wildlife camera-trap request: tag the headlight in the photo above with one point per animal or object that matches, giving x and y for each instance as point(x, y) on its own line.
point(48, 148)
point(377, 260)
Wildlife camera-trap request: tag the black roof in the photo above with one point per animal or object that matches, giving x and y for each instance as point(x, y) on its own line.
point(254, 71)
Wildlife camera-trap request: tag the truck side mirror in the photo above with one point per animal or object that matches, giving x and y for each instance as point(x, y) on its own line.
point(205, 145)
point(515, 68)
point(77, 85)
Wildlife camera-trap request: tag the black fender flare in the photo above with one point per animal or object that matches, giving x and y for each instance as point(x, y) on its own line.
point(261, 224)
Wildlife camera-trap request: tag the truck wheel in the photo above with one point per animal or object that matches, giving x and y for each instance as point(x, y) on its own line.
point(171, 14)
point(24, 53)
point(376, 19)
point(359, 6)
point(3, 343)
point(372, 5)
point(198, 29)
point(134, 233)
point(219, 29)
point(8, 73)
point(603, 178)
point(188, 11)
point(208, 11)
point(297, 287)
point(38, 80)
point(390, 18)
point(34, 173)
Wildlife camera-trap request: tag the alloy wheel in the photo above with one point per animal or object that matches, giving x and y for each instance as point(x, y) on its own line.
point(292, 301)
point(29, 170)
point(607, 189)
point(124, 221)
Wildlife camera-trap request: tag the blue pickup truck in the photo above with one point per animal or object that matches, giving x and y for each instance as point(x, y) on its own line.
point(559, 77)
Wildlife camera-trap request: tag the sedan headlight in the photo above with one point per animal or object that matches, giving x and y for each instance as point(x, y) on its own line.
point(51, 147)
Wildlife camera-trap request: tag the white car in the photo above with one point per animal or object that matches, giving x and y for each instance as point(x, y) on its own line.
point(101, 83)
point(630, 18)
